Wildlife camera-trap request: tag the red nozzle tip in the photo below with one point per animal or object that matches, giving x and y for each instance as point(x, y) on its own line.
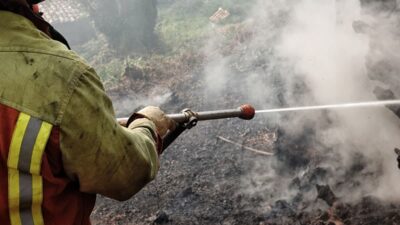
point(248, 112)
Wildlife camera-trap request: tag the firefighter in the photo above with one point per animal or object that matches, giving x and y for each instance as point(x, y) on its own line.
point(59, 142)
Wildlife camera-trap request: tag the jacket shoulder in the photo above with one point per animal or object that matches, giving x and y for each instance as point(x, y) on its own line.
point(38, 74)
point(39, 82)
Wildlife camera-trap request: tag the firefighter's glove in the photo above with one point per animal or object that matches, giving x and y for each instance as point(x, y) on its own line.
point(162, 122)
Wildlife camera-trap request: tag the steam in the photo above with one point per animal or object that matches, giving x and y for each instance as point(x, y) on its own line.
point(133, 102)
point(332, 61)
point(315, 54)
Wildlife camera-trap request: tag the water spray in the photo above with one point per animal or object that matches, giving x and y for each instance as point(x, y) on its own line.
point(187, 119)
point(332, 106)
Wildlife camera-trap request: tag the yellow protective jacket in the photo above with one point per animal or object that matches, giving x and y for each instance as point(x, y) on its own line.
point(84, 150)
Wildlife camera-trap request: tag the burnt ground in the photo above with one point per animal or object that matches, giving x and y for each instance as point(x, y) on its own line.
point(204, 180)
point(201, 182)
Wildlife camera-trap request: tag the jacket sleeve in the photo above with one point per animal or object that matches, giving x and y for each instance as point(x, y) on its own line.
point(104, 157)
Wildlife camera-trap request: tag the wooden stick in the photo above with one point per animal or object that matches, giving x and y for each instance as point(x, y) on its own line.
point(245, 147)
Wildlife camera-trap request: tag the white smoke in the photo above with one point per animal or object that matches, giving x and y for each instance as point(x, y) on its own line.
point(332, 58)
point(316, 41)
point(129, 103)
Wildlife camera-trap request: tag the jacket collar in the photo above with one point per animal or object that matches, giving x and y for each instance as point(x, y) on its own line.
point(16, 22)
point(25, 11)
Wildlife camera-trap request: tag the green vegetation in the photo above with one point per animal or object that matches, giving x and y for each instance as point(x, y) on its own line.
point(177, 33)
point(127, 25)
point(182, 26)
point(111, 71)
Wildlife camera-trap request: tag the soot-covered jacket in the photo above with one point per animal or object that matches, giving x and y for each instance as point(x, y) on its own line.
point(59, 141)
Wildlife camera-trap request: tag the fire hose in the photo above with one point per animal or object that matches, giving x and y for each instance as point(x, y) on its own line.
point(187, 119)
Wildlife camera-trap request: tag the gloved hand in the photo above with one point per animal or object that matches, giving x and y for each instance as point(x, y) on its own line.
point(158, 117)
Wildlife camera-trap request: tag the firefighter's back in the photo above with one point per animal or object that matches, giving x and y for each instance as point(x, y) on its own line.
point(37, 78)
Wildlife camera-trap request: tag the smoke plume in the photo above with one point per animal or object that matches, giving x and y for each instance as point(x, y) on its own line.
point(317, 52)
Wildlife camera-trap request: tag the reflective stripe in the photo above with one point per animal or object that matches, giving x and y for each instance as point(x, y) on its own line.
point(25, 199)
point(16, 141)
point(25, 185)
point(13, 196)
point(28, 142)
point(37, 187)
point(12, 163)
point(39, 147)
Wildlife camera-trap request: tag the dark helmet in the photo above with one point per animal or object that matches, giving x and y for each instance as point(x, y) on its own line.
point(34, 5)
point(32, 2)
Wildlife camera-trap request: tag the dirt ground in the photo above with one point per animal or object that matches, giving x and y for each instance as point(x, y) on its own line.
point(205, 180)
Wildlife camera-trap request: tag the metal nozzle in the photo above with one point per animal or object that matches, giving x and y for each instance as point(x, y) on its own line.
point(188, 119)
point(245, 112)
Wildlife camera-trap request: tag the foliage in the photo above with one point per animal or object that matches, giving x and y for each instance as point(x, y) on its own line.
point(128, 25)
point(179, 34)
point(184, 23)
point(182, 26)
point(111, 71)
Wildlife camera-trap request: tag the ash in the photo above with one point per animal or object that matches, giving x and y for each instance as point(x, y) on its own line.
point(326, 168)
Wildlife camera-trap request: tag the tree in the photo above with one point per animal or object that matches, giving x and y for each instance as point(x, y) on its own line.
point(127, 24)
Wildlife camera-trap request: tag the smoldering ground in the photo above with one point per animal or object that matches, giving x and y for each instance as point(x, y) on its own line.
point(310, 53)
point(286, 53)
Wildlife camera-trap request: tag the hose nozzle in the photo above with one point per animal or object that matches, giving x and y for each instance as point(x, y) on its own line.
point(248, 112)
